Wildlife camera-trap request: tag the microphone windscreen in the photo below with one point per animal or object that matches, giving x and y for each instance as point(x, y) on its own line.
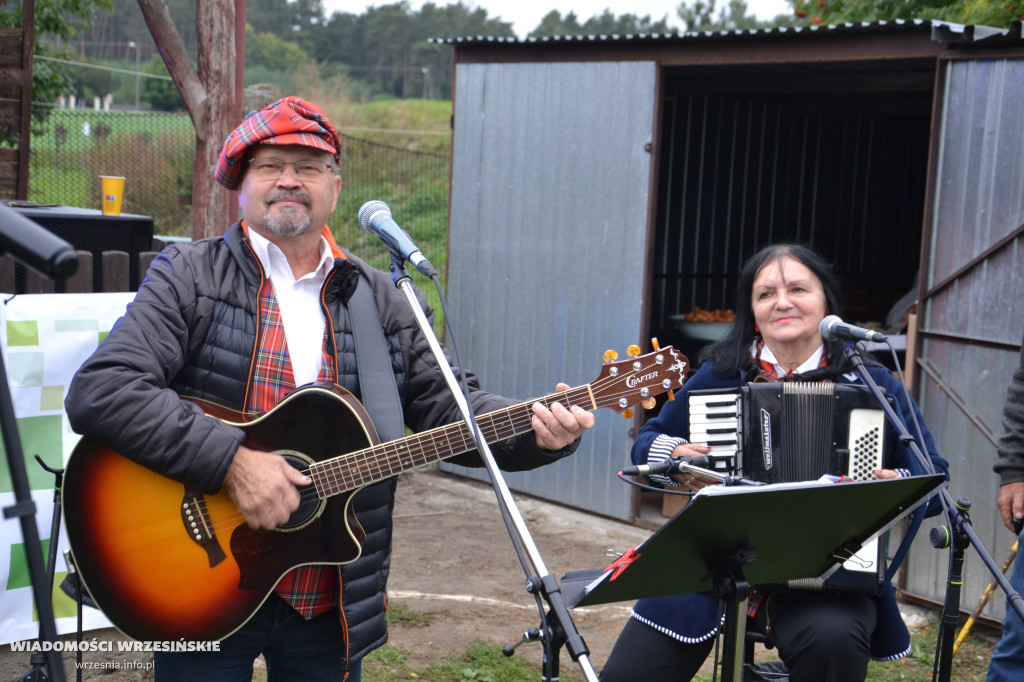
point(370, 209)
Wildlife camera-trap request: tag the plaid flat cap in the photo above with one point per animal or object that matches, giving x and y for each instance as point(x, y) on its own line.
point(291, 120)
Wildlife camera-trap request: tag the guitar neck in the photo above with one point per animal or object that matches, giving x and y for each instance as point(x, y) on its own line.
point(356, 469)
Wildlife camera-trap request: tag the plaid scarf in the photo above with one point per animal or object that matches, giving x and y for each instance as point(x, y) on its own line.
point(311, 590)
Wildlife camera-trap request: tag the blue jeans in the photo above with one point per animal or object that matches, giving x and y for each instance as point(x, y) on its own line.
point(294, 648)
point(1007, 664)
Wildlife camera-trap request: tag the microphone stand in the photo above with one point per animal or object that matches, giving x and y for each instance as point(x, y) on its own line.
point(560, 629)
point(959, 534)
point(724, 479)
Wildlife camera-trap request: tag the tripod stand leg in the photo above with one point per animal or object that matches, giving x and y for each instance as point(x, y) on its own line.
point(735, 636)
point(985, 596)
point(37, 671)
point(957, 541)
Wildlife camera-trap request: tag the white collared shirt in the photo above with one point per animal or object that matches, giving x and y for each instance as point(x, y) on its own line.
point(298, 301)
point(810, 363)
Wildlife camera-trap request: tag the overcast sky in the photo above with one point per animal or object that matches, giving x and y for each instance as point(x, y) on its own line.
point(525, 16)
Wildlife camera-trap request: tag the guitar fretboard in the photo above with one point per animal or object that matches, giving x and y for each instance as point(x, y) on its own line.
point(356, 469)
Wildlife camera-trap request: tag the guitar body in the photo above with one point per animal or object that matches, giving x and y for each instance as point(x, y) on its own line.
point(164, 563)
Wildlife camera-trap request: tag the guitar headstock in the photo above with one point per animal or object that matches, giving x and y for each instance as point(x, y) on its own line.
point(639, 378)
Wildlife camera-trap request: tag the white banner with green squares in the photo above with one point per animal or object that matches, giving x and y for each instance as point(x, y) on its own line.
point(44, 338)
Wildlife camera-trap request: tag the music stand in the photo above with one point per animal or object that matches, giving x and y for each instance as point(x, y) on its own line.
point(731, 538)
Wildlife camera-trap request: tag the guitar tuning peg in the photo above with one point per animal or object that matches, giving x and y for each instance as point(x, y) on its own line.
point(610, 355)
point(654, 343)
point(633, 351)
point(628, 413)
point(649, 403)
point(671, 395)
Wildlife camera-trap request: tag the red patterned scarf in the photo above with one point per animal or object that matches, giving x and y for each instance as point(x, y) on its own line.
point(311, 590)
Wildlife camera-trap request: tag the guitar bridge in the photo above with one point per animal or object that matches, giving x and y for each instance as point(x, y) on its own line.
point(197, 523)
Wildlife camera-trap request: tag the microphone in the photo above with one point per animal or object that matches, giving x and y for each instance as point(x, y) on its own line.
point(375, 216)
point(35, 246)
point(833, 327)
point(672, 465)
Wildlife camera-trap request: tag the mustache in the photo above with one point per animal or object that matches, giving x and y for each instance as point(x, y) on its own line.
point(292, 196)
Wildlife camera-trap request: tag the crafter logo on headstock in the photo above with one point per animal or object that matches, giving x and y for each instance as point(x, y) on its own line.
point(643, 379)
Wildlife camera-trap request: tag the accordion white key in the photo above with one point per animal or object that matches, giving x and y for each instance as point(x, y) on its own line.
point(776, 432)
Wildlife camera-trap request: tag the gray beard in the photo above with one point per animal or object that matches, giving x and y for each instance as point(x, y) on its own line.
point(288, 225)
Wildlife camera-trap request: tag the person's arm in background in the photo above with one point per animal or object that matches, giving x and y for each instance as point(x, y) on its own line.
point(1010, 451)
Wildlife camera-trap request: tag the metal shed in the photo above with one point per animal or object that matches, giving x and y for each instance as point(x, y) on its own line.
point(601, 185)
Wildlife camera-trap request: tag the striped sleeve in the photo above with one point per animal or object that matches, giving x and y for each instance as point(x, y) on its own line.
point(660, 451)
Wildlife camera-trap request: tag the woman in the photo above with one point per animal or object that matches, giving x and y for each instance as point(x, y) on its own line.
point(784, 292)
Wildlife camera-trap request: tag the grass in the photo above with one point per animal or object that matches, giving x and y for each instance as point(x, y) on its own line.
point(401, 613)
point(969, 663)
point(484, 661)
point(67, 127)
point(480, 662)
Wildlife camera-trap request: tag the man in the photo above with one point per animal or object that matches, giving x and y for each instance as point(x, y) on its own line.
point(1007, 663)
point(240, 321)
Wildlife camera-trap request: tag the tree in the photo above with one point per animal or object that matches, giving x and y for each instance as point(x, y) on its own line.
point(989, 12)
point(56, 22)
point(701, 17)
point(998, 13)
point(158, 92)
point(267, 49)
point(269, 16)
point(208, 91)
point(625, 24)
point(604, 24)
point(450, 21)
point(554, 24)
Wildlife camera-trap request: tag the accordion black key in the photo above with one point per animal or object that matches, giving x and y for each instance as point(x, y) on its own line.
point(781, 432)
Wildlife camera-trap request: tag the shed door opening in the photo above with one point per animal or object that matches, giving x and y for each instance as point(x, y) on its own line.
point(833, 156)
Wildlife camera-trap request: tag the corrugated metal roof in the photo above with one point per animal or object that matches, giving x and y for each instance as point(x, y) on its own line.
point(942, 31)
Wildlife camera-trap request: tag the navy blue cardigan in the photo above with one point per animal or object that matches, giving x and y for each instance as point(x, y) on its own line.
point(695, 617)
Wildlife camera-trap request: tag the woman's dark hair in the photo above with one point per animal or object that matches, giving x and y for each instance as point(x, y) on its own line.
point(729, 354)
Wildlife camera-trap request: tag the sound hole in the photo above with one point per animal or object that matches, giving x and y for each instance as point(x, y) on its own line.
point(310, 504)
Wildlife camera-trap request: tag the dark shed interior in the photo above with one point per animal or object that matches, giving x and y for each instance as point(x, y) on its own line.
point(832, 155)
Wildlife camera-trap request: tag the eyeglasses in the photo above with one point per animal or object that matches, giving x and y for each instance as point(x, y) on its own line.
point(268, 168)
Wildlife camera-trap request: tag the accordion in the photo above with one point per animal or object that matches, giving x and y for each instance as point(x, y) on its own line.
point(780, 432)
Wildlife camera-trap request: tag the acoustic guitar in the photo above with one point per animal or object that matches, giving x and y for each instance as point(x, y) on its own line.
point(165, 563)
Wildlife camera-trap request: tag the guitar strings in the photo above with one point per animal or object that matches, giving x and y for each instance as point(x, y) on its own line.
point(362, 467)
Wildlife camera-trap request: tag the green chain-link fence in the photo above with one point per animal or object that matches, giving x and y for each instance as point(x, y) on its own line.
point(413, 184)
point(155, 153)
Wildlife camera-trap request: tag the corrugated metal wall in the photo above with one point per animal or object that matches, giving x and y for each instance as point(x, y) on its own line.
point(550, 181)
point(973, 312)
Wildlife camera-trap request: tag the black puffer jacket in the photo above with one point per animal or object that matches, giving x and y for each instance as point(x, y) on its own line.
point(192, 330)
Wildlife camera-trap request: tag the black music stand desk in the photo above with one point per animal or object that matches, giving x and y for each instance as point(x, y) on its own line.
point(731, 538)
